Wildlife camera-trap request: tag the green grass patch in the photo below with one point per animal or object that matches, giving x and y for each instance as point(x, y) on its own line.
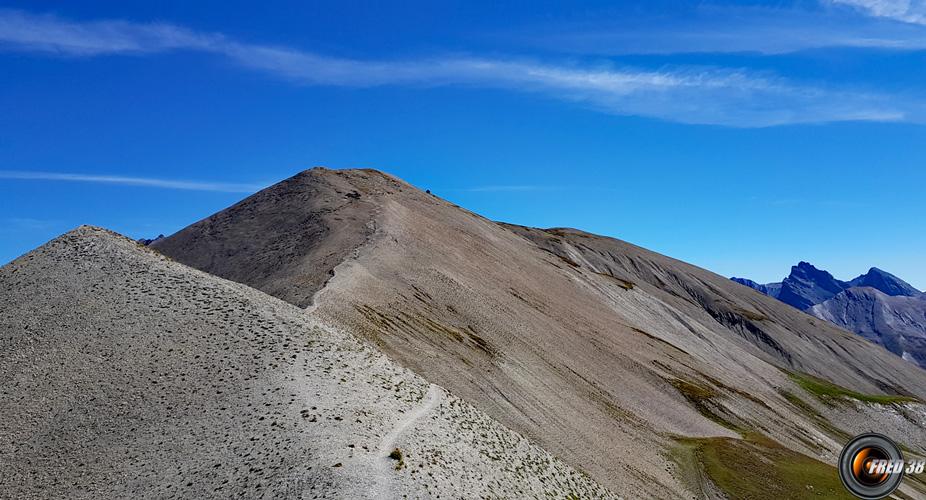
point(757, 467)
point(685, 456)
point(827, 391)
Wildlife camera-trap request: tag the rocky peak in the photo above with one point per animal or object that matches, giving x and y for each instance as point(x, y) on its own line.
point(807, 285)
point(886, 283)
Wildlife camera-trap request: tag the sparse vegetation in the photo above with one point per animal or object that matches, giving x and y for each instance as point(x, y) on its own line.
point(534, 340)
point(757, 467)
point(417, 322)
point(626, 285)
point(396, 455)
point(695, 393)
point(815, 416)
point(750, 314)
point(827, 391)
point(700, 396)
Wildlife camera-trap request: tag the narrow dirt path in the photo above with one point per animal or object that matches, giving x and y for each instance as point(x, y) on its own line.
point(384, 466)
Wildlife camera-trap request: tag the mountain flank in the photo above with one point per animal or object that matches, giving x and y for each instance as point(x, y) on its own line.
point(628, 365)
point(876, 305)
point(896, 322)
point(285, 241)
point(124, 374)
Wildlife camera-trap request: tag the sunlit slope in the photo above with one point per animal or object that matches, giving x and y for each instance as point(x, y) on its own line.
point(124, 374)
point(607, 370)
point(782, 335)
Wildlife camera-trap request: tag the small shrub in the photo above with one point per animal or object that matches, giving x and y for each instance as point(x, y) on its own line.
point(396, 454)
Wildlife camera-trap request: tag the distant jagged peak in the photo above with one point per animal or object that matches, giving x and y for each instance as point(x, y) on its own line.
point(885, 282)
point(746, 281)
point(768, 289)
point(808, 285)
point(148, 241)
point(806, 270)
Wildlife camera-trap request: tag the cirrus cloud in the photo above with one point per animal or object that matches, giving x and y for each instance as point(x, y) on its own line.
point(908, 11)
point(693, 95)
point(222, 187)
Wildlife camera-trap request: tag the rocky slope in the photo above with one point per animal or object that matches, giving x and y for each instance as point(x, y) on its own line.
point(876, 305)
point(629, 365)
point(803, 287)
point(126, 375)
point(896, 322)
point(806, 285)
point(284, 241)
point(886, 283)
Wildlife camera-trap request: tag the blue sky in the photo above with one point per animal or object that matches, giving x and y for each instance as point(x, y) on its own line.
point(739, 136)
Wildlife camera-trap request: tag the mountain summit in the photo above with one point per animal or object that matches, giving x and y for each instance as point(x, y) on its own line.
point(886, 283)
point(603, 353)
point(419, 350)
point(806, 285)
point(803, 287)
point(877, 305)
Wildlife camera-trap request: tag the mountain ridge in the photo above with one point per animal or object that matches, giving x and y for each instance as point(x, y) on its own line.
point(898, 322)
point(885, 282)
point(885, 318)
point(159, 380)
point(589, 346)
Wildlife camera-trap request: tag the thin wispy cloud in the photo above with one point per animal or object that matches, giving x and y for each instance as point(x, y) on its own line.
point(737, 29)
point(696, 95)
point(131, 181)
point(49, 33)
point(908, 11)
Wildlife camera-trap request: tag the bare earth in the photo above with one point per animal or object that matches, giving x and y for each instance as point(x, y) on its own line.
point(583, 344)
point(124, 374)
point(500, 360)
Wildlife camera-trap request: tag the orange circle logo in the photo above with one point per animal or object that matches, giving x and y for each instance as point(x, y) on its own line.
point(871, 466)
